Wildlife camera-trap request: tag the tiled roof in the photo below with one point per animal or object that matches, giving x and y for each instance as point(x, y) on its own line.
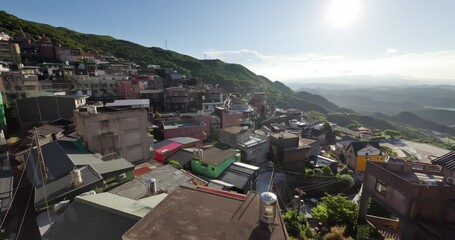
point(446, 161)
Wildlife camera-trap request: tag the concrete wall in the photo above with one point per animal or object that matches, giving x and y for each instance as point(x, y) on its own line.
point(116, 134)
point(409, 201)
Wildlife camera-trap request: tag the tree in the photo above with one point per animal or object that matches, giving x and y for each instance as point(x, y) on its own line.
point(337, 210)
point(336, 233)
point(309, 171)
point(318, 172)
point(175, 163)
point(365, 232)
point(389, 151)
point(345, 181)
point(296, 224)
point(392, 133)
point(326, 171)
point(314, 116)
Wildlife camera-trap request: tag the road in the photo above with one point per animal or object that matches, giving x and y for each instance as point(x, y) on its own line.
point(420, 150)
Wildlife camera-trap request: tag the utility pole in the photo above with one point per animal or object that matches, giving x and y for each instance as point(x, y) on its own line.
point(40, 156)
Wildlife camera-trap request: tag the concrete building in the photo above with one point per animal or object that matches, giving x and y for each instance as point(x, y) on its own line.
point(10, 52)
point(115, 132)
point(176, 99)
point(212, 99)
point(254, 148)
point(229, 118)
point(415, 193)
point(288, 151)
point(156, 98)
point(16, 85)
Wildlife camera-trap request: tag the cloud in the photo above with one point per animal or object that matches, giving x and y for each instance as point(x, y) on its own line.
point(428, 65)
point(391, 51)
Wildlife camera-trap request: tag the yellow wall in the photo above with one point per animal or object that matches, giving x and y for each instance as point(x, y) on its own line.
point(361, 161)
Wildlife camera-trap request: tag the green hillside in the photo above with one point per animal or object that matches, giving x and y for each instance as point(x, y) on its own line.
point(232, 77)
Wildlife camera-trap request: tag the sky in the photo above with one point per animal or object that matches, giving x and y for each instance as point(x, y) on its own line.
point(282, 40)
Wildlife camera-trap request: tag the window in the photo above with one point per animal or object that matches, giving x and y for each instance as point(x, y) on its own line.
point(213, 168)
point(204, 165)
point(381, 187)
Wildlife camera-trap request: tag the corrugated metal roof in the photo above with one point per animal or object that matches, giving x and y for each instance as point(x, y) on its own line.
point(446, 161)
point(112, 165)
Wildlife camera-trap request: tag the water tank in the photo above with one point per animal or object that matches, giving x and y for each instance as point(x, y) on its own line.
point(267, 207)
point(76, 178)
point(152, 186)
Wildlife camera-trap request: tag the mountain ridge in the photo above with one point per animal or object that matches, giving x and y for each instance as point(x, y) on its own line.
point(231, 76)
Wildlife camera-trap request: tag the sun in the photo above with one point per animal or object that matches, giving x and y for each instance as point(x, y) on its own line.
point(343, 12)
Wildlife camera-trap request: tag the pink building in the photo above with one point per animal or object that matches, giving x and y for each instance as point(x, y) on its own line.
point(128, 89)
point(186, 128)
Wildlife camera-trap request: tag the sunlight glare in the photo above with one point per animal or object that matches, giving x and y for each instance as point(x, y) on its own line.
point(343, 12)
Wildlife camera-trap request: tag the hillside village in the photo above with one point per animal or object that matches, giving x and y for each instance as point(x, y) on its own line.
point(145, 151)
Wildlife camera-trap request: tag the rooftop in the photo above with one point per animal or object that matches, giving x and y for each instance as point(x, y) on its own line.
point(184, 140)
point(446, 161)
point(361, 145)
point(205, 214)
point(167, 177)
point(112, 166)
point(182, 156)
point(233, 129)
point(128, 102)
point(113, 215)
point(182, 123)
point(215, 156)
point(308, 141)
point(47, 130)
point(239, 175)
point(283, 135)
point(61, 188)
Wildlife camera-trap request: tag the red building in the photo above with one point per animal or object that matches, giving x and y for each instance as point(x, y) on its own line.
point(164, 152)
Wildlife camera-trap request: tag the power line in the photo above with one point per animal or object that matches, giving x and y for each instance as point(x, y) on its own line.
point(20, 180)
point(28, 202)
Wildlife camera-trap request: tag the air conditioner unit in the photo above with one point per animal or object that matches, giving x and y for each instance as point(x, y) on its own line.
point(451, 180)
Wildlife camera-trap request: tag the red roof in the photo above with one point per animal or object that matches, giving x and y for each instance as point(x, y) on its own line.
point(170, 147)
